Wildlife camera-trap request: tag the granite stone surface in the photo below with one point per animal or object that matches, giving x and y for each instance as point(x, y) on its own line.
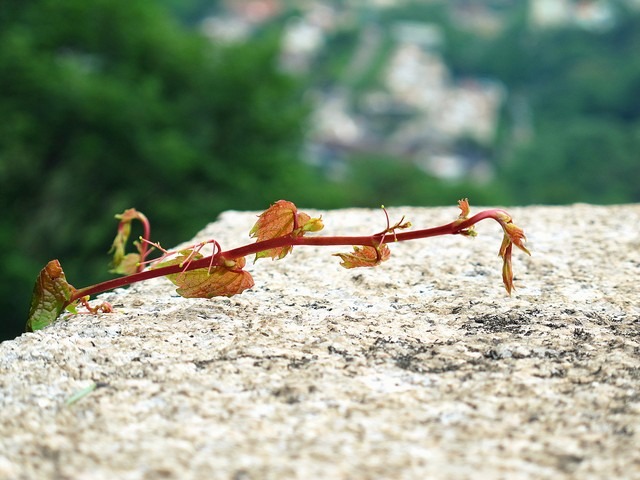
point(420, 368)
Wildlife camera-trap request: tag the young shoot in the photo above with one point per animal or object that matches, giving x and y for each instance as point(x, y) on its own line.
point(221, 273)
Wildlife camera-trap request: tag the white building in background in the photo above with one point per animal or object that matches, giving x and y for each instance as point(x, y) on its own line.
point(418, 112)
point(240, 19)
point(442, 111)
point(304, 36)
point(421, 81)
point(301, 41)
point(333, 122)
point(587, 14)
point(226, 29)
point(416, 78)
point(470, 108)
point(549, 13)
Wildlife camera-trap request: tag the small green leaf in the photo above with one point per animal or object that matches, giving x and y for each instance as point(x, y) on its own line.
point(311, 224)
point(51, 295)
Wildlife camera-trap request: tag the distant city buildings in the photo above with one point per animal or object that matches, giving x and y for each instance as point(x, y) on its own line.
point(591, 15)
point(417, 111)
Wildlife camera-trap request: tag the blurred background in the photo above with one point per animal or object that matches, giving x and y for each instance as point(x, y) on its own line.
point(185, 108)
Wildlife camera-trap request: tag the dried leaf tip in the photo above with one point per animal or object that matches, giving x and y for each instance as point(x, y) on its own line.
point(513, 235)
point(507, 270)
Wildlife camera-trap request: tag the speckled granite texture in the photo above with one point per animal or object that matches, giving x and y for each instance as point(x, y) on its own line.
point(419, 368)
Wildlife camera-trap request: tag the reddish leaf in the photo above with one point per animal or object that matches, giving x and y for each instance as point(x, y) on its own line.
point(464, 207)
point(218, 281)
point(279, 220)
point(51, 295)
point(364, 256)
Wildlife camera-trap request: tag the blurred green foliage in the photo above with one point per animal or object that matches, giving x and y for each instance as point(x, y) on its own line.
point(575, 92)
point(396, 182)
point(586, 118)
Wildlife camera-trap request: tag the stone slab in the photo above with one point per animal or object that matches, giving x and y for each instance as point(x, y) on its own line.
point(420, 368)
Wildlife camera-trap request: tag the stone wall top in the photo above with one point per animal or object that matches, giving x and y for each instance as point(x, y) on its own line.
point(420, 368)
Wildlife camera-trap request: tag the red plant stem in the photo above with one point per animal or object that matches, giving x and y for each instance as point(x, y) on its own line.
point(374, 240)
point(146, 235)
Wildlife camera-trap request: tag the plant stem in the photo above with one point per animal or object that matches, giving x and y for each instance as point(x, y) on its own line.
point(146, 236)
point(374, 240)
